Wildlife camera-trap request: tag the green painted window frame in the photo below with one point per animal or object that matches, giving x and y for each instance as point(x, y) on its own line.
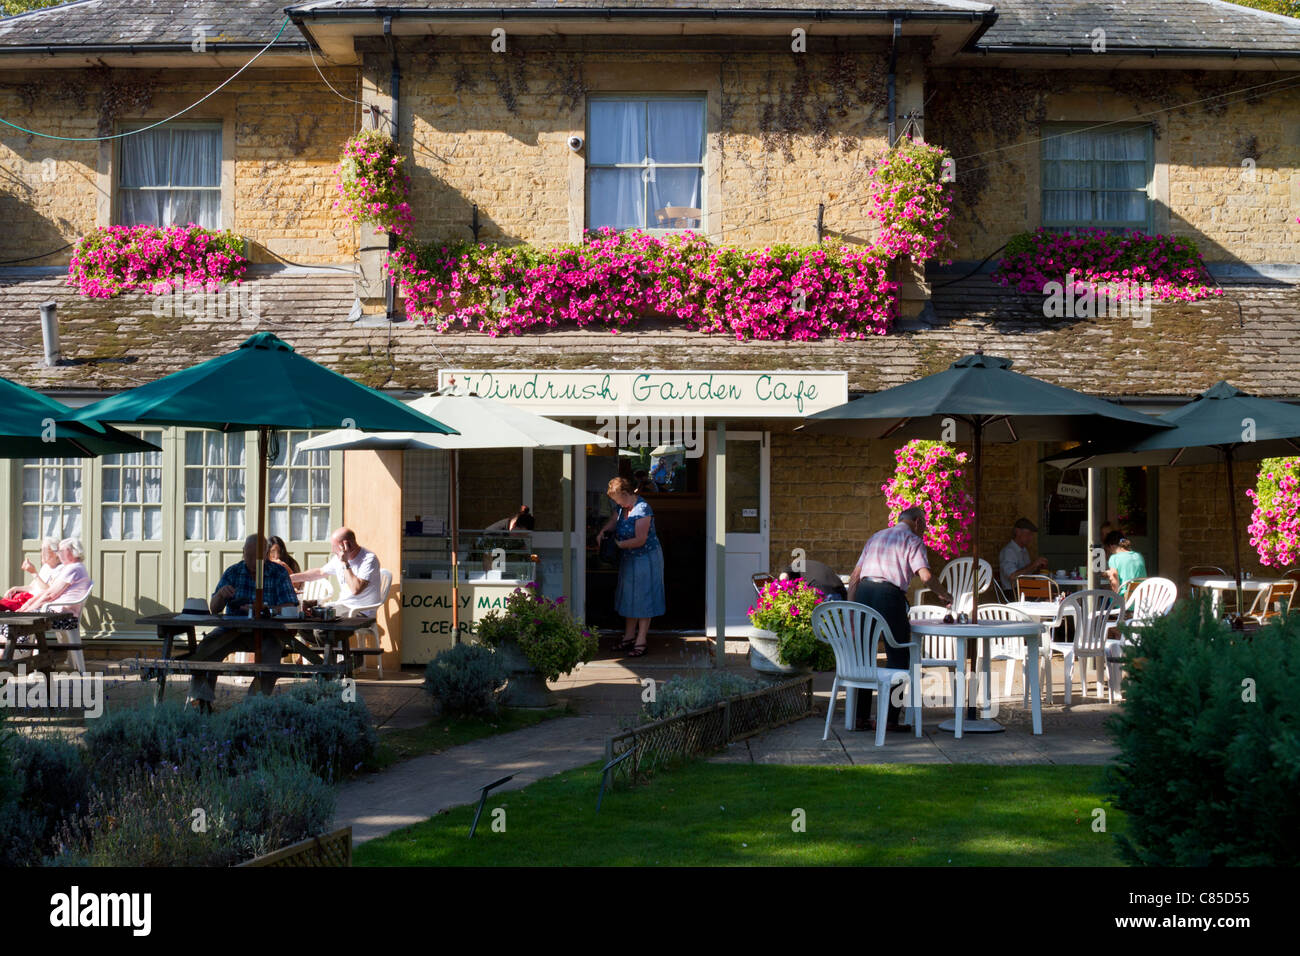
point(1052, 130)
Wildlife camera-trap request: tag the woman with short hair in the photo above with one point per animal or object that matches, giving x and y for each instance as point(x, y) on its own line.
point(69, 585)
point(639, 595)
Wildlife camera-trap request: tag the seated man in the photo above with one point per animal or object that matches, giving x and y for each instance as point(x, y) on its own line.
point(234, 595)
point(1014, 560)
point(357, 571)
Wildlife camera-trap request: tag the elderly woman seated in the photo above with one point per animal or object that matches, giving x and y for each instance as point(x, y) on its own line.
point(16, 597)
point(69, 585)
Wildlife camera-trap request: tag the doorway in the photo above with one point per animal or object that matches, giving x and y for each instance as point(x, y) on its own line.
point(746, 526)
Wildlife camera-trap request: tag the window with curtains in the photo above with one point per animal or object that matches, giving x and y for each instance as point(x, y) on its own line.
point(171, 176)
point(645, 162)
point(51, 498)
point(298, 490)
point(215, 482)
point(131, 506)
point(1096, 177)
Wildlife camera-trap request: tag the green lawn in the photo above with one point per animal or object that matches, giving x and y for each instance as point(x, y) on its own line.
point(440, 733)
point(703, 814)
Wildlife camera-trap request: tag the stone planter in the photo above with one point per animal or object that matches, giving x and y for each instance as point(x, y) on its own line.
point(763, 655)
point(525, 687)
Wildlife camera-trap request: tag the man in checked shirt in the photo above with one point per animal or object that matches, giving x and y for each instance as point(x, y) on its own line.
point(880, 580)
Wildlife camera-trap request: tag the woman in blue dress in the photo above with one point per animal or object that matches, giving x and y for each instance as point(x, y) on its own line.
point(640, 592)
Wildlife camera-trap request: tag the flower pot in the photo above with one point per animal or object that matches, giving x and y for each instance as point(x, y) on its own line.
point(525, 687)
point(763, 654)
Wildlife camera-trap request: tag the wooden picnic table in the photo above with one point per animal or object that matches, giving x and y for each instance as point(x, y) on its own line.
point(329, 655)
point(45, 653)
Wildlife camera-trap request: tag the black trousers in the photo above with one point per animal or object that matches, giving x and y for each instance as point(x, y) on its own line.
point(891, 602)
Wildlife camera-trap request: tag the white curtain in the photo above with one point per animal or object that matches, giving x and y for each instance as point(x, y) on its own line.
point(616, 197)
point(1095, 176)
point(164, 158)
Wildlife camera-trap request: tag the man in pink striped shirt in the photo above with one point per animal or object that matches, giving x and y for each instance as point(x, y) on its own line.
point(880, 580)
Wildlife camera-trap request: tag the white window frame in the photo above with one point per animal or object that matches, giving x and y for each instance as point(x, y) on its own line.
point(119, 166)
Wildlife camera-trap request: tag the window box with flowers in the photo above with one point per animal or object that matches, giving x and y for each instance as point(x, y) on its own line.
point(155, 260)
point(781, 640)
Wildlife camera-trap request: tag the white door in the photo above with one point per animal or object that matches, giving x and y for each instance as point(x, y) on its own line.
point(747, 518)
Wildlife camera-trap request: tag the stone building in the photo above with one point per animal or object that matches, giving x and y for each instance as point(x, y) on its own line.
point(514, 118)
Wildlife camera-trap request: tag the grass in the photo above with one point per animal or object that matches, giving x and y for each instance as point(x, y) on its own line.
point(703, 814)
point(444, 732)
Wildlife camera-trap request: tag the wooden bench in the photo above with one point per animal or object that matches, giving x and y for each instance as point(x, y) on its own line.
point(160, 668)
point(45, 653)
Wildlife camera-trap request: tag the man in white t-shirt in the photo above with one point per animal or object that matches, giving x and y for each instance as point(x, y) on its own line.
point(355, 568)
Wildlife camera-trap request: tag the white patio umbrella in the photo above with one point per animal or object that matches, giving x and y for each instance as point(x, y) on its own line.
point(482, 423)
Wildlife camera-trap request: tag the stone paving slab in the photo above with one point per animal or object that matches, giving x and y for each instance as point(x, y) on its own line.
point(416, 789)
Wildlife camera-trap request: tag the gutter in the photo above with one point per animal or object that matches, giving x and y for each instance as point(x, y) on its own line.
point(1113, 52)
point(395, 93)
point(645, 13)
point(140, 49)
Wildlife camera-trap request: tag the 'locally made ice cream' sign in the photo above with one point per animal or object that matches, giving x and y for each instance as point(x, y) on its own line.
point(724, 394)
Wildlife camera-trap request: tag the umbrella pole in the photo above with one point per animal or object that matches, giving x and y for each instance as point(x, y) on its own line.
point(972, 651)
point(1236, 538)
point(455, 547)
point(262, 436)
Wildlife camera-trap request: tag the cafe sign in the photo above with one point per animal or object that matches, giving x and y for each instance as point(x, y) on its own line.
point(722, 394)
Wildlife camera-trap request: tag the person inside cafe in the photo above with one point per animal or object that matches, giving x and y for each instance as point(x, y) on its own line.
point(1123, 564)
point(16, 597)
point(69, 585)
point(879, 580)
point(661, 474)
point(521, 520)
point(234, 597)
point(820, 576)
point(356, 569)
point(1014, 559)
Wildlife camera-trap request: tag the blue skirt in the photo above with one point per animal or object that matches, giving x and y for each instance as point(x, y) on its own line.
point(640, 591)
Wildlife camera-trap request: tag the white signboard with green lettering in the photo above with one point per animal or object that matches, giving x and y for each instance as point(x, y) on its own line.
point(722, 394)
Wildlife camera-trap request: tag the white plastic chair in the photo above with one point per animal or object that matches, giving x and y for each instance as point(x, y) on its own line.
point(372, 632)
point(321, 590)
point(1151, 599)
point(1009, 649)
point(958, 578)
point(853, 631)
point(939, 651)
point(1092, 619)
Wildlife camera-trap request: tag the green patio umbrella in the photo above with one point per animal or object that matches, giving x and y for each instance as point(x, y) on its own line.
point(262, 386)
point(978, 399)
point(1223, 423)
point(33, 426)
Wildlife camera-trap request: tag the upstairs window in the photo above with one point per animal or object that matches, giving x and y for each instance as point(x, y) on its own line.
point(1097, 177)
point(171, 176)
point(645, 162)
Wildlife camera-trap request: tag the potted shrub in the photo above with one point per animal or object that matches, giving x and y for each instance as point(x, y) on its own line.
point(782, 640)
point(538, 641)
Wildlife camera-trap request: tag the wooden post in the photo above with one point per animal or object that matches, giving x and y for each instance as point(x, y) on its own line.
point(454, 494)
point(972, 650)
point(566, 525)
point(1236, 535)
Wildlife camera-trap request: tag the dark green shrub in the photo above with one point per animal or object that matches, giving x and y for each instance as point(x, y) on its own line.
point(680, 695)
point(53, 784)
point(1209, 736)
point(465, 679)
point(124, 740)
point(332, 735)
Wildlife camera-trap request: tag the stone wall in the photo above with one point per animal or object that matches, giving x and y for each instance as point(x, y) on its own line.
point(283, 130)
point(1203, 187)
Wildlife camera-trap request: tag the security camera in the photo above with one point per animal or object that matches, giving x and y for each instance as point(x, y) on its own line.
point(575, 143)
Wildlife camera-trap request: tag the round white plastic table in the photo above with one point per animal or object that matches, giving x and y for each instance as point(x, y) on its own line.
point(986, 631)
point(1217, 585)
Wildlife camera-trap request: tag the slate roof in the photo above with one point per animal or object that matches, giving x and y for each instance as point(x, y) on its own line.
point(1251, 336)
point(150, 22)
point(1191, 25)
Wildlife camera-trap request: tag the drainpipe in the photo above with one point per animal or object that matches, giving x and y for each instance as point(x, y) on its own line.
point(395, 91)
point(50, 332)
point(893, 65)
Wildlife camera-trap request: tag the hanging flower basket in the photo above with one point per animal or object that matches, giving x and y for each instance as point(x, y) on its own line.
point(373, 184)
point(1275, 524)
point(933, 474)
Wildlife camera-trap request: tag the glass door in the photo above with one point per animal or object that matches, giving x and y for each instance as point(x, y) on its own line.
point(747, 486)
